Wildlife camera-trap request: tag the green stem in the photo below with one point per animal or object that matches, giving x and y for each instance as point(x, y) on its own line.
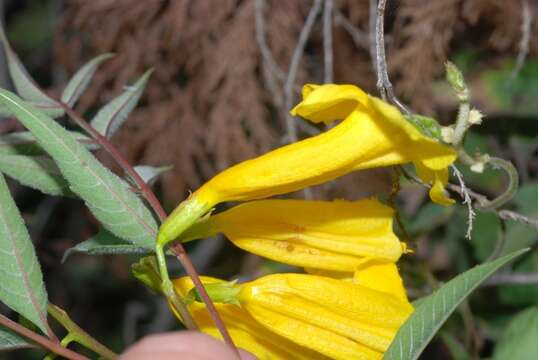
point(462, 123)
point(168, 289)
point(75, 333)
point(513, 184)
point(65, 343)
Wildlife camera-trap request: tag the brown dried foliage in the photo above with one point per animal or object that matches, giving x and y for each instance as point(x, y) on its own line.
point(207, 105)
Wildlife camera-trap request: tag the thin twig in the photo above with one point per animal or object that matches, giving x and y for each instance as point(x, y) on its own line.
point(42, 341)
point(372, 25)
point(360, 38)
point(328, 71)
point(511, 279)
point(384, 85)
point(79, 335)
point(148, 194)
point(503, 214)
point(511, 215)
point(271, 71)
point(294, 66)
point(526, 22)
point(466, 201)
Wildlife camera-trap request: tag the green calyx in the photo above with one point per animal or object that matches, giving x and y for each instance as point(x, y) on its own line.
point(146, 270)
point(222, 292)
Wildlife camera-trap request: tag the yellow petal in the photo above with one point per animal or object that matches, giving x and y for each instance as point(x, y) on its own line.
point(374, 134)
point(246, 332)
point(329, 102)
point(316, 312)
point(381, 276)
point(438, 179)
point(330, 235)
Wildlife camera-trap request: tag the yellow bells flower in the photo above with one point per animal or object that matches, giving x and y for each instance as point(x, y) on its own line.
point(245, 331)
point(339, 319)
point(402, 143)
point(382, 276)
point(373, 134)
point(329, 235)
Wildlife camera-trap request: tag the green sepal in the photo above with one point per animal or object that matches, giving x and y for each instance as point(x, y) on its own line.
point(146, 270)
point(222, 292)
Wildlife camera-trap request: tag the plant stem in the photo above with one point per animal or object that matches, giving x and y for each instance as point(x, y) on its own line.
point(148, 194)
point(55, 347)
point(75, 333)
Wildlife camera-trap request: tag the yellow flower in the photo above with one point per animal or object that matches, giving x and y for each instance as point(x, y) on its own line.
point(309, 315)
point(245, 331)
point(339, 319)
point(373, 134)
point(335, 236)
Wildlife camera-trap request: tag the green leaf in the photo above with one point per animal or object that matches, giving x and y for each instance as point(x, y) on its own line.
point(108, 197)
point(82, 78)
point(21, 285)
point(422, 325)
point(12, 341)
point(105, 243)
point(24, 143)
point(150, 174)
point(518, 341)
point(25, 85)
point(109, 119)
point(37, 172)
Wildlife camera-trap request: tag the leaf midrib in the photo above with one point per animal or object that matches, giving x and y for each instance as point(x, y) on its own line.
point(20, 266)
point(83, 164)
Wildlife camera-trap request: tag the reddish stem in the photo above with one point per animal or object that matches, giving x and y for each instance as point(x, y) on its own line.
point(177, 248)
point(54, 347)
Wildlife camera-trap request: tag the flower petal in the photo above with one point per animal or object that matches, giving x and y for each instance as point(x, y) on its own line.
point(245, 331)
point(329, 102)
point(381, 276)
point(330, 235)
point(311, 309)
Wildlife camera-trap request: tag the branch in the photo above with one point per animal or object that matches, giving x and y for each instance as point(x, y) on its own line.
point(526, 22)
point(294, 66)
point(50, 345)
point(148, 194)
point(271, 71)
point(328, 71)
point(503, 214)
point(512, 279)
point(384, 85)
point(77, 334)
point(360, 38)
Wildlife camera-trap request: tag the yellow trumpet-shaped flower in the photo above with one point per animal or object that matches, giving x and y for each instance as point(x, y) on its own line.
point(329, 235)
point(312, 316)
point(339, 319)
point(245, 331)
point(372, 134)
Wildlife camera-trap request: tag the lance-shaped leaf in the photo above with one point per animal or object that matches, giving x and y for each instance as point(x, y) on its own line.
point(12, 341)
point(25, 85)
point(37, 172)
point(150, 174)
point(109, 119)
point(105, 243)
point(431, 313)
point(21, 285)
point(82, 78)
point(109, 198)
point(24, 143)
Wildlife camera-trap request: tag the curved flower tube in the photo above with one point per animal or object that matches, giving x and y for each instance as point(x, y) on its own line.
point(372, 134)
point(338, 319)
point(329, 235)
point(245, 331)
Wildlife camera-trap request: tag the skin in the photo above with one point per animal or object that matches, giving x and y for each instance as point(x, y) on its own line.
point(185, 345)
